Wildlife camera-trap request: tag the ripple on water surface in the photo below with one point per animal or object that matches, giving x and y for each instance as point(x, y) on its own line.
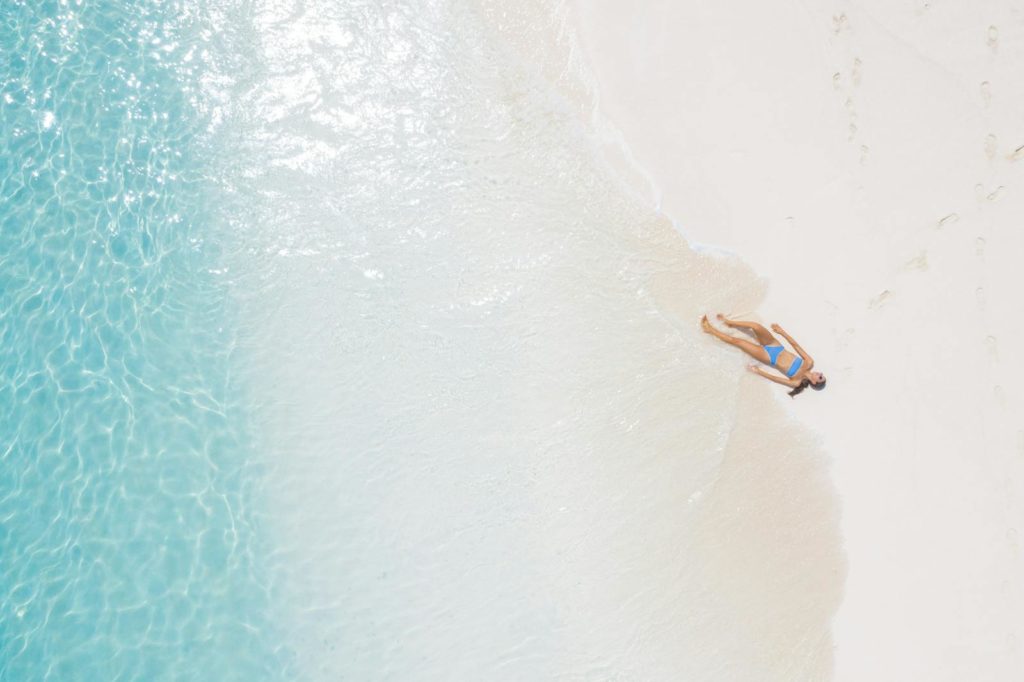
point(127, 546)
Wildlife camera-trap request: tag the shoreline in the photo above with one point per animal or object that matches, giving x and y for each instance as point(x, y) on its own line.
point(831, 143)
point(732, 535)
point(474, 470)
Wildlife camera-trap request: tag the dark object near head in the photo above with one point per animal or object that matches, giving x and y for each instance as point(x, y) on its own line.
point(804, 384)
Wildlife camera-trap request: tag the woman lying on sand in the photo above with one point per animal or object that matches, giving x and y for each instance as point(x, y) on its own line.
point(768, 350)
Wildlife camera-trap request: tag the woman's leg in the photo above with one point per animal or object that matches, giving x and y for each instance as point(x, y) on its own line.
point(764, 337)
point(752, 349)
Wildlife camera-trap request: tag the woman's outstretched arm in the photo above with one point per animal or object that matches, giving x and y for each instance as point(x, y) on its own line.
point(756, 369)
point(796, 346)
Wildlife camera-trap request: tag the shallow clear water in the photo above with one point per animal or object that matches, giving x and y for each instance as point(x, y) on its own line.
point(333, 349)
point(499, 447)
point(128, 548)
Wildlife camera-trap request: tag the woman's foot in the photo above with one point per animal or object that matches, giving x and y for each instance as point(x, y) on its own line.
point(705, 325)
point(724, 320)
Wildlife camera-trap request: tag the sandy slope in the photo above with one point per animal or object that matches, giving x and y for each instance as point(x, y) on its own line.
point(868, 159)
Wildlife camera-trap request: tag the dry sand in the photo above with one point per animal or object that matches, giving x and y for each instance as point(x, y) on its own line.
point(867, 158)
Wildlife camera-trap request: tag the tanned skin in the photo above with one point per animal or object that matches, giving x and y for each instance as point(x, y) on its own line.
point(785, 359)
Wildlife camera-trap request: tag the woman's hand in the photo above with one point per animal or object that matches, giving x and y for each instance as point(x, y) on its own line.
point(777, 329)
point(754, 368)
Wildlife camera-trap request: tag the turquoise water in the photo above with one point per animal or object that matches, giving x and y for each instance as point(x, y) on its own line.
point(129, 538)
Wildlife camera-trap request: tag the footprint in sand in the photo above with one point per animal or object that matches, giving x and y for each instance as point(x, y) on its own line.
point(986, 93)
point(847, 338)
point(864, 154)
point(880, 300)
point(979, 246)
point(979, 295)
point(839, 23)
point(991, 146)
point(848, 102)
point(919, 263)
point(993, 38)
point(948, 220)
point(993, 347)
point(982, 194)
point(1017, 154)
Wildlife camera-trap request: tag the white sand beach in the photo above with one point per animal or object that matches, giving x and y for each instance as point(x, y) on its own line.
point(867, 158)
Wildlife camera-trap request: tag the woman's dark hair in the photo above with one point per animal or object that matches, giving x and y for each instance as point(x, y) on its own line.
point(804, 384)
